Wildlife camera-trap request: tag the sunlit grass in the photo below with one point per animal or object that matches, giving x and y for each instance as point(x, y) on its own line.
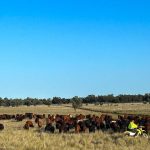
point(15, 137)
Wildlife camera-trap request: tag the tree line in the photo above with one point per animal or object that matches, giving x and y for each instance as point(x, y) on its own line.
point(90, 99)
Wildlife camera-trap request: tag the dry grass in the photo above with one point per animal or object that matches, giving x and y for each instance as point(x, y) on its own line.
point(15, 138)
point(41, 110)
point(19, 139)
point(133, 108)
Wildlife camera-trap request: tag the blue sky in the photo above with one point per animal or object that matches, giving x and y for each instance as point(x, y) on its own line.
point(74, 47)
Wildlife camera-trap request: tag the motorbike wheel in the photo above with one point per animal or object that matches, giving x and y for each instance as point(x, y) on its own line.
point(145, 135)
point(126, 133)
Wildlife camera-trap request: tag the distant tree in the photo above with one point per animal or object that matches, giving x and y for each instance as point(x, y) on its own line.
point(7, 102)
point(12, 103)
point(48, 102)
point(1, 101)
point(37, 102)
point(56, 100)
point(28, 103)
point(90, 99)
point(76, 102)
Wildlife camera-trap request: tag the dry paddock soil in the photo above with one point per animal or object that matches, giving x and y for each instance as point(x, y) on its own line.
point(14, 137)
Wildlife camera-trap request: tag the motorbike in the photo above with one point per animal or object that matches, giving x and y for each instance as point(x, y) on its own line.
point(139, 132)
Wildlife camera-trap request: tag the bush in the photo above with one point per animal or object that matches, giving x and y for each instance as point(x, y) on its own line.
point(76, 102)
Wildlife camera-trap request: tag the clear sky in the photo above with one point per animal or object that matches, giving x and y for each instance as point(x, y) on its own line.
point(74, 47)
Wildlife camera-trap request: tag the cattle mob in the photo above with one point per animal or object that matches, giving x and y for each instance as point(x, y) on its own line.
point(79, 123)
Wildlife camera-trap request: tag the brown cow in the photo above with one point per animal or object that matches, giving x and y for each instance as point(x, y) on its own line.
point(40, 116)
point(28, 124)
point(80, 127)
point(40, 122)
point(19, 117)
point(147, 124)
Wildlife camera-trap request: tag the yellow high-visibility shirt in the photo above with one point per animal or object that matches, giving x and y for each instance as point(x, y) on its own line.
point(132, 125)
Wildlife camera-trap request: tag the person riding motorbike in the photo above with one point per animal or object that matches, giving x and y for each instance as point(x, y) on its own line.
point(133, 127)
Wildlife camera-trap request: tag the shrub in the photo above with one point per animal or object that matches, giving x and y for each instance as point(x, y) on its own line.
point(76, 102)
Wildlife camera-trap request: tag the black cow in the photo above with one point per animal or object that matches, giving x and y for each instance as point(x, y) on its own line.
point(50, 128)
point(1, 127)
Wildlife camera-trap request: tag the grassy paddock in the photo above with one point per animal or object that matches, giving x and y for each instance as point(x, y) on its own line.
point(15, 138)
point(131, 108)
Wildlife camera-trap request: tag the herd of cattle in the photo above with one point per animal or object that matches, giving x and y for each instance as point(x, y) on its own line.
point(79, 123)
